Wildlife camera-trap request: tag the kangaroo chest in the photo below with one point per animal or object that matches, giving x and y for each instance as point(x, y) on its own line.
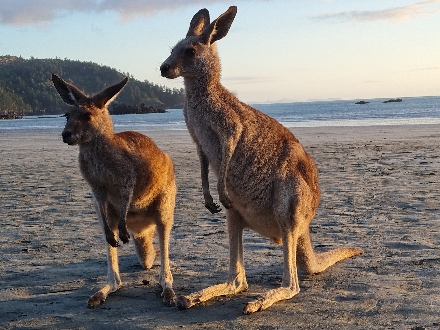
point(248, 199)
point(202, 130)
point(98, 171)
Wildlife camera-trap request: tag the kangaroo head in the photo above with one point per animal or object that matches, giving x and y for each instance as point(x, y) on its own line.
point(87, 116)
point(196, 55)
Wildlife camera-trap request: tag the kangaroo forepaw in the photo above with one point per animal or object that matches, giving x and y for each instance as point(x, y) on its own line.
point(212, 207)
point(226, 202)
point(111, 240)
point(224, 198)
point(124, 235)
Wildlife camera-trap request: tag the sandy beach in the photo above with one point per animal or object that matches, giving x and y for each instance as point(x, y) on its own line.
point(380, 191)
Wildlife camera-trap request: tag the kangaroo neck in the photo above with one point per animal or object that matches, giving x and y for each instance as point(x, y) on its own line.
point(98, 143)
point(202, 87)
point(206, 81)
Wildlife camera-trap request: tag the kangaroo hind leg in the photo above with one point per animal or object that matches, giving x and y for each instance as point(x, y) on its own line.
point(143, 244)
point(290, 283)
point(313, 262)
point(113, 282)
point(164, 219)
point(237, 278)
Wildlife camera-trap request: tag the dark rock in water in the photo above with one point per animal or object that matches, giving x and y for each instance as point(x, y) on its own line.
point(123, 109)
point(392, 100)
point(362, 102)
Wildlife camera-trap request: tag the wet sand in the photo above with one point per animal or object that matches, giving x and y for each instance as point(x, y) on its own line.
point(380, 191)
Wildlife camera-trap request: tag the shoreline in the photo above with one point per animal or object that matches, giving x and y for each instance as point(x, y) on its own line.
point(380, 191)
point(421, 125)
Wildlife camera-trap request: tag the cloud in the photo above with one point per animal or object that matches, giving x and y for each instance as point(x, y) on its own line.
point(130, 9)
point(31, 12)
point(40, 13)
point(395, 15)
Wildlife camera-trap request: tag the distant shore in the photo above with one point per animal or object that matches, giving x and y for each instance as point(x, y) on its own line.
point(380, 191)
point(115, 110)
point(124, 109)
point(11, 116)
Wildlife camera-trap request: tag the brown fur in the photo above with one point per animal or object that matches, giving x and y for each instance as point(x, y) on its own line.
point(132, 182)
point(266, 181)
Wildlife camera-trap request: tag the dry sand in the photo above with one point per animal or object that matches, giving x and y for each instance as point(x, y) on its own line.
point(380, 191)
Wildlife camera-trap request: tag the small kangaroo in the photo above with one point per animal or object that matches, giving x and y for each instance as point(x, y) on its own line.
point(131, 179)
point(266, 181)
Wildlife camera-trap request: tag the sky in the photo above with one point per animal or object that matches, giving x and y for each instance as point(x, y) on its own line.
point(275, 51)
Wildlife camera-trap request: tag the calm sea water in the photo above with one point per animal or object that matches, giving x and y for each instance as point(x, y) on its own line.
point(411, 111)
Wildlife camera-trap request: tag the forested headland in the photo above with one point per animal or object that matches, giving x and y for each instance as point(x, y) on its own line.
point(26, 87)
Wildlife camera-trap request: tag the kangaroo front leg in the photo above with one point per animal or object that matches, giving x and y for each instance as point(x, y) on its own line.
point(102, 207)
point(237, 278)
point(124, 235)
point(290, 284)
point(127, 195)
point(113, 278)
point(229, 139)
point(204, 167)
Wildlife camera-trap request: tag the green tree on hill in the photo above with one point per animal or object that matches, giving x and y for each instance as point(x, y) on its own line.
point(26, 87)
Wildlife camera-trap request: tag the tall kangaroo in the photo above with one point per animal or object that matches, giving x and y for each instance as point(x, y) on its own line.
point(132, 182)
point(266, 181)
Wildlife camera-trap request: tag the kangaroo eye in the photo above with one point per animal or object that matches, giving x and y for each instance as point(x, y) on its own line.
point(190, 52)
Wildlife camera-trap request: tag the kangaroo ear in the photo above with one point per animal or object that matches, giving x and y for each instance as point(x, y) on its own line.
point(109, 94)
point(198, 23)
point(219, 28)
point(68, 92)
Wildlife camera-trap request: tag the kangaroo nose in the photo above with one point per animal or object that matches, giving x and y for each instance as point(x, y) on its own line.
point(66, 135)
point(164, 69)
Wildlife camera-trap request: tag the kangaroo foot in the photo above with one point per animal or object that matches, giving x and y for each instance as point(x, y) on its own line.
point(169, 297)
point(95, 300)
point(269, 299)
point(100, 296)
point(184, 302)
point(224, 289)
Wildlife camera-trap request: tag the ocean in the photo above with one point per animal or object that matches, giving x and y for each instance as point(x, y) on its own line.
point(411, 111)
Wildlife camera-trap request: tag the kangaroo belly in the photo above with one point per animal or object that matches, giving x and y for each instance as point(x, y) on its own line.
point(263, 224)
point(136, 220)
point(259, 219)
